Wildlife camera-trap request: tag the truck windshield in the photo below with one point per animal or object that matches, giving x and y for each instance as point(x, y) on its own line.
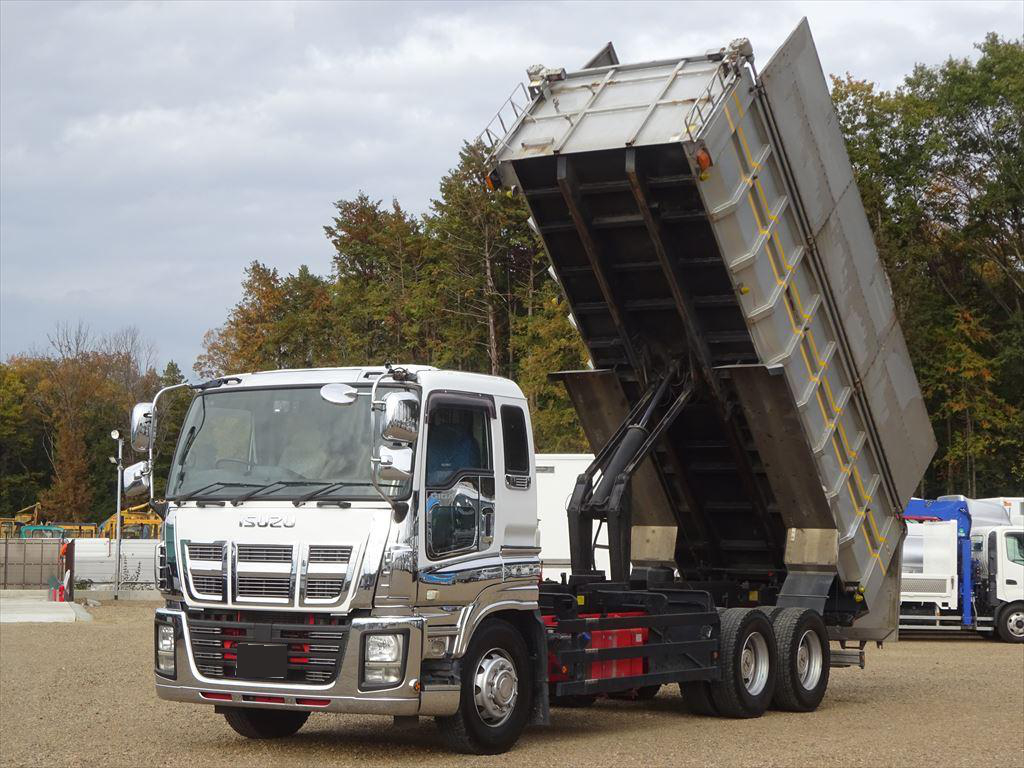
point(280, 444)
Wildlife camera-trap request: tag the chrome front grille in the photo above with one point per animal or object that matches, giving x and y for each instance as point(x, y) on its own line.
point(270, 573)
point(205, 551)
point(215, 635)
point(208, 585)
point(264, 586)
point(263, 553)
point(324, 589)
point(329, 554)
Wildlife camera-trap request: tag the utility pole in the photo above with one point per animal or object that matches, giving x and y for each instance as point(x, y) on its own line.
point(119, 462)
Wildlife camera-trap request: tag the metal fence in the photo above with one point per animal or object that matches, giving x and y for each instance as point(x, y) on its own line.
point(30, 563)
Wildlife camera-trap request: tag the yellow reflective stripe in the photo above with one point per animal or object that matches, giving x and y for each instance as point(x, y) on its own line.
point(736, 128)
point(736, 98)
point(746, 148)
point(793, 301)
point(874, 527)
point(757, 217)
point(764, 200)
point(817, 394)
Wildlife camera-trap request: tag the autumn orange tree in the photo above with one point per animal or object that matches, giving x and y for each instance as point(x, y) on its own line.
point(56, 413)
point(465, 286)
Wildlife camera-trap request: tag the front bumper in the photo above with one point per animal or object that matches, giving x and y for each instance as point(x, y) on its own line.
point(408, 697)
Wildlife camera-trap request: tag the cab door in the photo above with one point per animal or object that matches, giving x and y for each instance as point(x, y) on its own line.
point(1010, 578)
point(457, 550)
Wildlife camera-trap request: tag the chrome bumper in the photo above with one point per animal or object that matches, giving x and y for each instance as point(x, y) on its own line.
point(408, 697)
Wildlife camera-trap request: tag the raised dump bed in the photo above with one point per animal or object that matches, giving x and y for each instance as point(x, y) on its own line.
point(705, 226)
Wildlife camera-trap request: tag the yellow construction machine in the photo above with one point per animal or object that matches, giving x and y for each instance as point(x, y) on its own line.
point(138, 522)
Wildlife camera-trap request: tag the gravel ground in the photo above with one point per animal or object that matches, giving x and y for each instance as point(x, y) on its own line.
point(82, 694)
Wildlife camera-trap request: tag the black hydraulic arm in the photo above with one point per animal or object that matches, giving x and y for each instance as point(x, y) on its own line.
point(617, 462)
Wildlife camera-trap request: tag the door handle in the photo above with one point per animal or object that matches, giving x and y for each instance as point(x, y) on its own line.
point(486, 527)
point(1011, 582)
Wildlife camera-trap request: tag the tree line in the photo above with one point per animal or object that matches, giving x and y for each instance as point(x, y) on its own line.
point(940, 166)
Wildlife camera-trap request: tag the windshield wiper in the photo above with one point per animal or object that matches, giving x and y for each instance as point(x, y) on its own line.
point(283, 483)
point(195, 494)
point(330, 487)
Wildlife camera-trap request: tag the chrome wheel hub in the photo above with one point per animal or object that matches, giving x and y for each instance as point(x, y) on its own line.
point(754, 663)
point(495, 687)
point(809, 659)
point(1015, 623)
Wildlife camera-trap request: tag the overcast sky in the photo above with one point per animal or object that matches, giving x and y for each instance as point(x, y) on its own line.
point(148, 152)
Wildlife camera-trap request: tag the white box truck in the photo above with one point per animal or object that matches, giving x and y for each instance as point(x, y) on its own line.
point(963, 567)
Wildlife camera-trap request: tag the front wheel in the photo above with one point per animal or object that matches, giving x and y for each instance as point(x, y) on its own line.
point(265, 723)
point(497, 691)
point(1011, 623)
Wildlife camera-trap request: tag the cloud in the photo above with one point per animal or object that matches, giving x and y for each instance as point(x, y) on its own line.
point(149, 151)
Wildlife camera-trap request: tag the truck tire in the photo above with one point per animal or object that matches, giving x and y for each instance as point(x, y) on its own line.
point(264, 723)
point(497, 692)
point(804, 658)
point(1010, 624)
point(697, 698)
point(749, 660)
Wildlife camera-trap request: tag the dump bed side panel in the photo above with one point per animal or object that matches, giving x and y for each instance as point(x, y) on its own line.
point(809, 134)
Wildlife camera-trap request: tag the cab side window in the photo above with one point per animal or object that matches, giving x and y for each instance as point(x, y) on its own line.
point(514, 440)
point(1015, 548)
point(460, 481)
point(457, 439)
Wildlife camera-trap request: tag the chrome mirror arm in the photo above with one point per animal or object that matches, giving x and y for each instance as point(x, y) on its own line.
point(152, 430)
point(375, 406)
point(378, 406)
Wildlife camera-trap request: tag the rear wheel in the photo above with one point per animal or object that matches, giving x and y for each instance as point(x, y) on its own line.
point(265, 723)
point(748, 658)
point(1011, 623)
point(497, 691)
point(803, 659)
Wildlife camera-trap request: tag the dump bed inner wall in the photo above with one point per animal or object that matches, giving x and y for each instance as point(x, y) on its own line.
point(587, 211)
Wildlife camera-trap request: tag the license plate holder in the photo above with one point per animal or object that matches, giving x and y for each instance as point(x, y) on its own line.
point(262, 661)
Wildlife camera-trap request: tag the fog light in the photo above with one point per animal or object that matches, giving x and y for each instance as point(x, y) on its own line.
point(165, 649)
point(382, 674)
point(437, 647)
point(382, 660)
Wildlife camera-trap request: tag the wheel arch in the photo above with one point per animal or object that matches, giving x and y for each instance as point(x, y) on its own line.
point(531, 627)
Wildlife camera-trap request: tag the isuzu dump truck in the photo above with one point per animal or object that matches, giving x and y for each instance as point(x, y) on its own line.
point(364, 539)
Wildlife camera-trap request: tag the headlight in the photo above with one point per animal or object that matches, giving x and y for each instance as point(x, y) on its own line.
point(165, 640)
point(383, 647)
point(382, 660)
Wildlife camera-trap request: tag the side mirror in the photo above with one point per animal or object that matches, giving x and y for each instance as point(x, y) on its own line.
point(339, 394)
point(394, 465)
point(142, 427)
point(401, 418)
point(136, 479)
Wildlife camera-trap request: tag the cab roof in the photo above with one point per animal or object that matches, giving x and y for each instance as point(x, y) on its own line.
point(429, 378)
